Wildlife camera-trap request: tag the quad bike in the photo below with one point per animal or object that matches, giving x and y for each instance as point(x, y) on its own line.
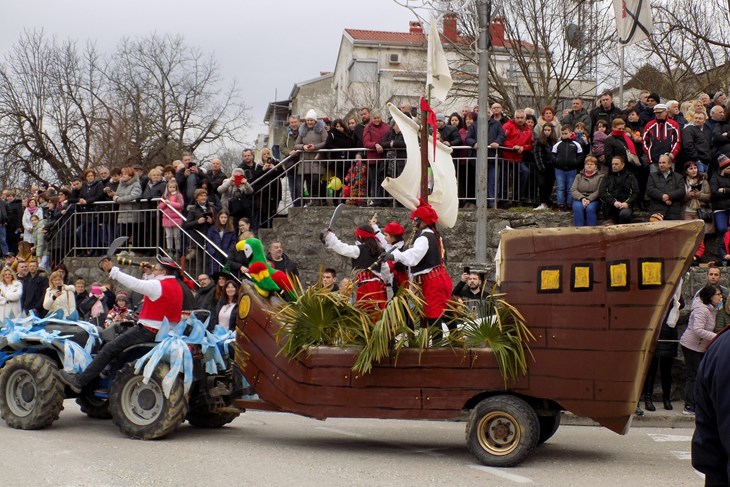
point(32, 394)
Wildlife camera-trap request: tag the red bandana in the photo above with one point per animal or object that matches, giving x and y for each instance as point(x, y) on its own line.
point(425, 213)
point(363, 234)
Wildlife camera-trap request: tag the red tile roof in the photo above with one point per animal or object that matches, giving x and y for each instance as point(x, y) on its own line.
point(419, 39)
point(390, 37)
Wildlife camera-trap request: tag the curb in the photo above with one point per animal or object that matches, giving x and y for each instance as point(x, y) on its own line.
point(648, 420)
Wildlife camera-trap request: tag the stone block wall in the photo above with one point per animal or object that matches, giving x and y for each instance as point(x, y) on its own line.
point(299, 233)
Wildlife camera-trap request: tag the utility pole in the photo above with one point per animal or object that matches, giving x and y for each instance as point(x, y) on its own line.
point(484, 8)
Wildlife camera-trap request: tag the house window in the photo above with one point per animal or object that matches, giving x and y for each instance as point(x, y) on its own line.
point(363, 71)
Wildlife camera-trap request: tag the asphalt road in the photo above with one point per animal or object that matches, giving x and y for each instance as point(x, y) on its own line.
point(270, 449)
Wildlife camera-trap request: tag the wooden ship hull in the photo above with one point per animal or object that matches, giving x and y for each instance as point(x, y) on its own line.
point(594, 298)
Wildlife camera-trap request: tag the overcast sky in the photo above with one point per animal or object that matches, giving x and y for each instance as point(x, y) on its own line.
point(266, 45)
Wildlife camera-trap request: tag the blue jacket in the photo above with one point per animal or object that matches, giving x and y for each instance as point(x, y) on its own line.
point(711, 440)
point(223, 242)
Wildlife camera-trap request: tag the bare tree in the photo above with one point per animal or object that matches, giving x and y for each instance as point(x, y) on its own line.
point(63, 109)
point(48, 107)
point(544, 50)
point(690, 47)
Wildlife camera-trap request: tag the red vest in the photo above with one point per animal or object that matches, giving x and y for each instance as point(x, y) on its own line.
point(169, 305)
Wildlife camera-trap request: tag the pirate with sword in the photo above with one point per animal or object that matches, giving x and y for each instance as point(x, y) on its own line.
point(163, 299)
point(370, 291)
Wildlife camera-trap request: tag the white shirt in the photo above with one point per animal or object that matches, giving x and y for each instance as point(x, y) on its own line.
point(413, 256)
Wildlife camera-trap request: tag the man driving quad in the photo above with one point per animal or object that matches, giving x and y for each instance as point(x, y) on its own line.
point(163, 298)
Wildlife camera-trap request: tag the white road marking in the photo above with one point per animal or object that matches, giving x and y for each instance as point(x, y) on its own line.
point(431, 452)
point(503, 474)
point(665, 438)
point(701, 475)
point(341, 432)
point(682, 455)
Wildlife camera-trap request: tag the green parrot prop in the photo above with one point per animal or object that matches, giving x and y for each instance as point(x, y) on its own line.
point(266, 278)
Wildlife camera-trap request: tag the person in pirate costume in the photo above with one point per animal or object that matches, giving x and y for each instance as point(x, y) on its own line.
point(392, 236)
point(425, 260)
point(370, 283)
point(164, 298)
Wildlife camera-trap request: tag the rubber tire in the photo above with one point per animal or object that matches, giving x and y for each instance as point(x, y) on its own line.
point(94, 407)
point(526, 430)
point(205, 419)
point(48, 397)
point(172, 410)
point(548, 426)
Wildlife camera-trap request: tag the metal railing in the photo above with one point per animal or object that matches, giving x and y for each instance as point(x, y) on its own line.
point(89, 231)
point(335, 177)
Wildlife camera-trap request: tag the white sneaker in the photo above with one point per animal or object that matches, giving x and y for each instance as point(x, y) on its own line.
point(542, 206)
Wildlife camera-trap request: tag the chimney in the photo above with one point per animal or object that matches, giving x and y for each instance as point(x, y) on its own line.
point(449, 28)
point(496, 31)
point(415, 27)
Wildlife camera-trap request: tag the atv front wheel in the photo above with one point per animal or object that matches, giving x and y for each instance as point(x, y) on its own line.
point(94, 407)
point(141, 411)
point(31, 393)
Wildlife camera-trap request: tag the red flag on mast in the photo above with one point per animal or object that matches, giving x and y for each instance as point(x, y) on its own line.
point(431, 120)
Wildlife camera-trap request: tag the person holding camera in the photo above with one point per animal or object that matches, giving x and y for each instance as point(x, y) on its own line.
point(201, 216)
point(59, 296)
point(697, 195)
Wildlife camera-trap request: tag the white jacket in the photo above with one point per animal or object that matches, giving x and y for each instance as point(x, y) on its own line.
point(66, 301)
point(10, 299)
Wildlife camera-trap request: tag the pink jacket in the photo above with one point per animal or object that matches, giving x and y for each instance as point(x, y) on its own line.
point(169, 217)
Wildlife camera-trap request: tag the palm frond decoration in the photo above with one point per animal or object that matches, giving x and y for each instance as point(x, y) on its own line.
point(394, 329)
point(497, 325)
point(320, 317)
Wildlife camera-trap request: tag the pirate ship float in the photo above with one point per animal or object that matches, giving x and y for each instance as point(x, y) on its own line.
point(594, 299)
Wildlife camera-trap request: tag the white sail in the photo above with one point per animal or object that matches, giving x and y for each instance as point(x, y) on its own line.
point(406, 188)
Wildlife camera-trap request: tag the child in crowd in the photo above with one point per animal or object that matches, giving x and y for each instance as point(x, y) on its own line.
point(355, 189)
point(569, 157)
point(582, 137)
point(119, 312)
point(39, 241)
point(172, 204)
point(94, 308)
point(599, 140)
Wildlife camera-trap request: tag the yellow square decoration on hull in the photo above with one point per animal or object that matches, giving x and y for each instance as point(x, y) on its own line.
point(619, 275)
point(550, 280)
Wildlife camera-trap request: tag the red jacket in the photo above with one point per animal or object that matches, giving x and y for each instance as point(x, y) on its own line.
point(516, 136)
point(372, 135)
point(660, 138)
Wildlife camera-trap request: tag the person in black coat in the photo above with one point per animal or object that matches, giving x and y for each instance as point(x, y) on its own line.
point(237, 259)
point(205, 298)
point(267, 188)
point(495, 137)
point(226, 307)
point(92, 190)
point(666, 190)
point(34, 290)
point(618, 143)
point(711, 439)
point(721, 140)
point(696, 140)
point(14, 225)
point(394, 148)
point(619, 192)
point(449, 133)
point(200, 217)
